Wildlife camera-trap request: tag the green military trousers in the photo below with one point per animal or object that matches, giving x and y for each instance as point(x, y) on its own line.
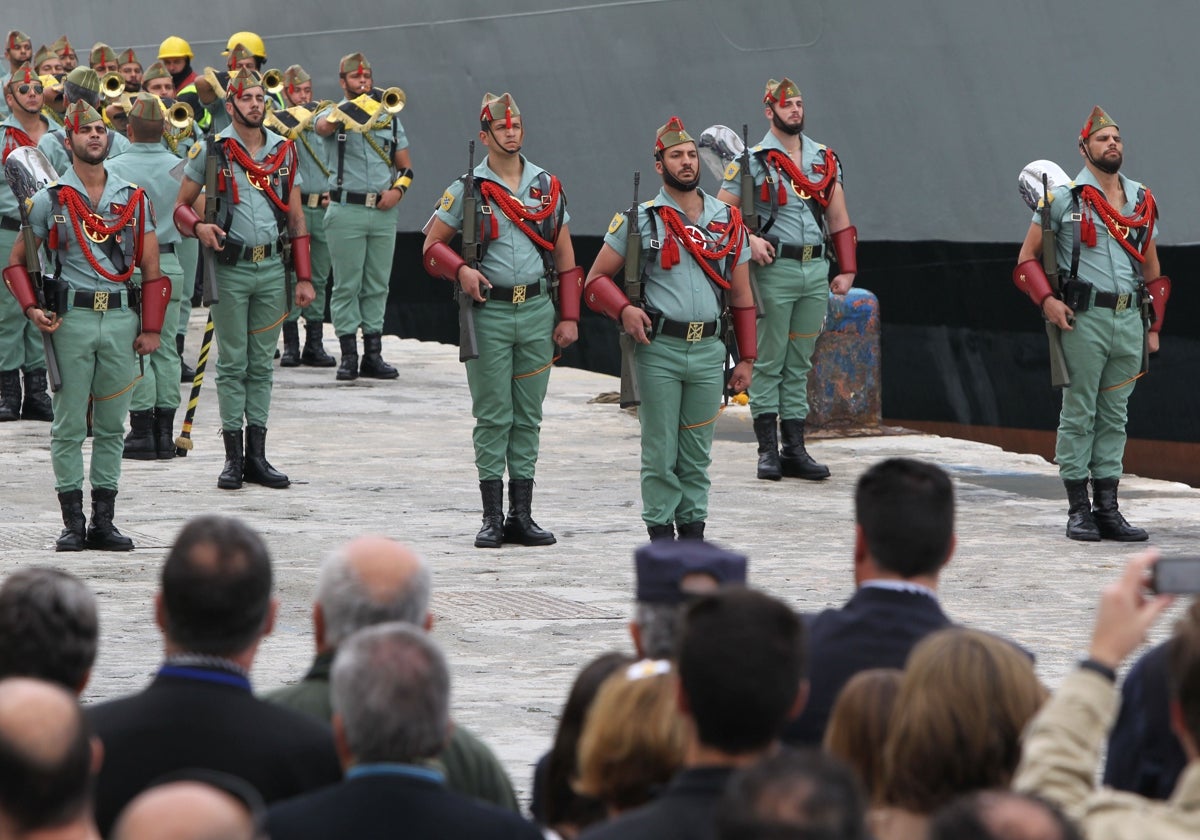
point(795, 298)
point(1104, 356)
point(508, 384)
point(159, 385)
point(681, 384)
point(314, 221)
point(361, 243)
point(188, 252)
point(20, 341)
point(251, 305)
point(95, 354)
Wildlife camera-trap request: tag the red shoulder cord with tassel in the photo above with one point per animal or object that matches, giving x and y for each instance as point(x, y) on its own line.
point(1143, 217)
point(285, 153)
point(520, 215)
point(87, 224)
point(822, 190)
point(14, 138)
point(730, 239)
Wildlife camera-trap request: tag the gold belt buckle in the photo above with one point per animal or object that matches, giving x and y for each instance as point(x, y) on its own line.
point(371, 197)
point(314, 201)
point(806, 253)
point(258, 253)
point(695, 331)
point(1122, 302)
point(100, 301)
point(519, 294)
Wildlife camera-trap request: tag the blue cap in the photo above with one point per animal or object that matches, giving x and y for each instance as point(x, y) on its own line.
point(662, 565)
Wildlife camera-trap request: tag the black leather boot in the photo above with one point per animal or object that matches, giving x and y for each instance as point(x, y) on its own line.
point(1081, 525)
point(313, 354)
point(102, 535)
point(235, 461)
point(519, 527)
point(661, 532)
point(794, 460)
point(139, 443)
point(74, 535)
point(373, 365)
point(491, 535)
point(1109, 521)
point(10, 395)
point(768, 447)
point(691, 530)
point(37, 404)
point(348, 369)
point(187, 373)
point(164, 433)
point(258, 470)
point(291, 345)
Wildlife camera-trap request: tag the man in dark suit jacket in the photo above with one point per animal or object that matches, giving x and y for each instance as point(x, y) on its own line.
point(391, 700)
point(214, 608)
point(903, 536)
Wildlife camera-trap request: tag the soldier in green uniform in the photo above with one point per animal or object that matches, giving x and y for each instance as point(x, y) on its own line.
point(314, 169)
point(94, 319)
point(63, 49)
point(156, 396)
point(370, 172)
point(47, 63)
point(259, 205)
point(20, 342)
point(81, 84)
point(1105, 228)
point(103, 59)
point(18, 49)
point(799, 197)
point(526, 245)
point(130, 69)
point(695, 269)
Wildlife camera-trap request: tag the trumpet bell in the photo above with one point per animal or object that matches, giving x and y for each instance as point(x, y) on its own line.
point(393, 100)
point(112, 85)
point(180, 116)
point(272, 81)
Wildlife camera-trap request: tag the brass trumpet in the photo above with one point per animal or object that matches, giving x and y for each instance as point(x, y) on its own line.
point(392, 99)
point(112, 85)
point(272, 82)
point(179, 116)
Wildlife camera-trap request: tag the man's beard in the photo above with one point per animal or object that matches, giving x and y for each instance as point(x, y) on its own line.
point(89, 158)
point(245, 120)
point(683, 186)
point(1111, 167)
point(784, 127)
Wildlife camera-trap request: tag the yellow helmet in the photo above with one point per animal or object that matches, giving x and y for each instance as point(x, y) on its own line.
point(248, 40)
point(175, 47)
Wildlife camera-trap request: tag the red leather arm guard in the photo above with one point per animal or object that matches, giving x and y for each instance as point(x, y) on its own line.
point(302, 257)
point(186, 218)
point(570, 290)
point(17, 278)
point(156, 294)
point(604, 297)
point(845, 245)
point(745, 330)
point(1160, 293)
point(1031, 279)
point(442, 261)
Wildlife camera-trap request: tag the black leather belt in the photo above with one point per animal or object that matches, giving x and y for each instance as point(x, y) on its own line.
point(802, 253)
point(687, 330)
point(258, 253)
point(1117, 302)
point(363, 199)
point(517, 294)
point(311, 200)
point(168, 248)
point(104, 301)
point(9, 223)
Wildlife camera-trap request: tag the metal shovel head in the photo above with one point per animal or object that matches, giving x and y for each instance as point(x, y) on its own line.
point(1030, 180)
point(27, 170)
point(719, 145)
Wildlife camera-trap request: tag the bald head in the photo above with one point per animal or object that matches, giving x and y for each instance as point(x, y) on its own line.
point(185, 810)
point(45, 755)
point(371, 580)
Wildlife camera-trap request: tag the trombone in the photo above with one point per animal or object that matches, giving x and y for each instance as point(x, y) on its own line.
point(112, 85)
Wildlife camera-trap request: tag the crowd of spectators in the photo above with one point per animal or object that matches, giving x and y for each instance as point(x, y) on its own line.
point(731, 716)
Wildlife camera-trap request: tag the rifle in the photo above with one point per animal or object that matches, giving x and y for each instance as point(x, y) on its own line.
point(1060, 377)
point(207, 258)
point(749, 213)
point(468, 345)
point(631, 392)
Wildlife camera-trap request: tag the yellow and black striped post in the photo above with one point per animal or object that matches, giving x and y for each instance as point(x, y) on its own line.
point(183, 443)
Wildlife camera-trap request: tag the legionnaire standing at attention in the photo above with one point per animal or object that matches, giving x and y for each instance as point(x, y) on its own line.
point(81, 84)
point(21, 349)
point(258, 190)
point(522, 223)
point(100, 228)
point(697, 284)
point(312, 153)
point(371, 169)
point(1105, 228)
point(799, 197)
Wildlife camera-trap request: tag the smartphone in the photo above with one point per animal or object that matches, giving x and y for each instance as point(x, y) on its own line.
point(1176, 576)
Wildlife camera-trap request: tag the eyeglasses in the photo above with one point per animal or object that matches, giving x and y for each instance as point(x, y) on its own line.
point(24, 89)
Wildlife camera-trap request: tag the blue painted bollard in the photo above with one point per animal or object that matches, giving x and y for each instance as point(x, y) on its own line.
point(843, 387)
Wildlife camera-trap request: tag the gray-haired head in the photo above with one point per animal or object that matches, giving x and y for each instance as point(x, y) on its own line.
point(368, 581)
point(391, 691)
point(48, 627)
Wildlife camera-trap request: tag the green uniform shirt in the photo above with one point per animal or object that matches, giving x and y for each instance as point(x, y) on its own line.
point(253, 220)
point(363, 169)
point(8, 201)
point(794, 221)
point(53, 146)
point(511, 259)
point(149, 165)
point(76, 270)
point(682, 292)
point(313, 153)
